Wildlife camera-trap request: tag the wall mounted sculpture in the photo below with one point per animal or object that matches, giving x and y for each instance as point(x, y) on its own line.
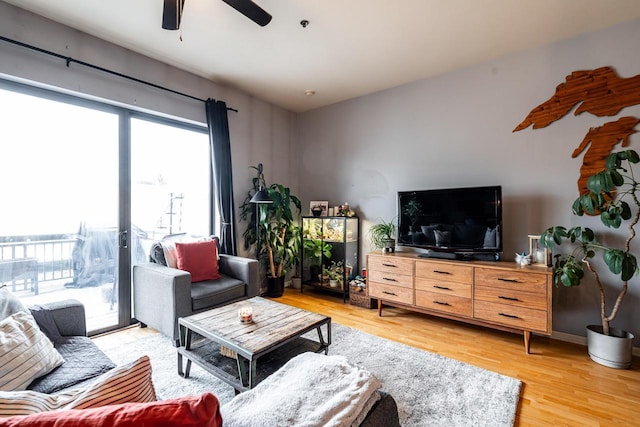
point(600, 92)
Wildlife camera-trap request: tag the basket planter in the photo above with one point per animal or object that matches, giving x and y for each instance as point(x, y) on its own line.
point(614, 351)
point(359, 298)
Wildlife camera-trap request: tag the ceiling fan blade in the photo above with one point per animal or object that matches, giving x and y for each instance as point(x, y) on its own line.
point(250, 10)
point(172, 14)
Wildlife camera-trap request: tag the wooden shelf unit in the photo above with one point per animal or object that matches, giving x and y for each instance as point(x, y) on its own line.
point(499, 295)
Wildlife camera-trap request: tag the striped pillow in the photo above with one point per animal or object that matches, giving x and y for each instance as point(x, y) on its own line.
point(25, 352)
point(124, 384)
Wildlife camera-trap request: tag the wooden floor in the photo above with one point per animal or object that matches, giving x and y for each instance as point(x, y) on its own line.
point(562, 386)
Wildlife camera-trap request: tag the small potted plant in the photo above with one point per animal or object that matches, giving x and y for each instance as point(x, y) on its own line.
point(608, 193)
point(335, 273)
point(382, 236)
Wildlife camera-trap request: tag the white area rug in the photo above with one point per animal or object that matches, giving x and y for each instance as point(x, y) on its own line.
point(430, 390)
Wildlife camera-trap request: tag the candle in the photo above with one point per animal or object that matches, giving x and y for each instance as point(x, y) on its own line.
point(245, 314)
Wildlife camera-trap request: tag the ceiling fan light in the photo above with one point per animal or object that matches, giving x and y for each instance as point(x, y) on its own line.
point(251, 11)
point(172, 14)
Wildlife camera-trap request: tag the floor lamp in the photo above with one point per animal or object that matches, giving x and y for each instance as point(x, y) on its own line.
point(260, 198)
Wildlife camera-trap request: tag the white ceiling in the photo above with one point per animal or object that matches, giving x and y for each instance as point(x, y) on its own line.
point(350, 48)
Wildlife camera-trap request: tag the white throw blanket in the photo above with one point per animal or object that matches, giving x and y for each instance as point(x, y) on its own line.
point(309, 390)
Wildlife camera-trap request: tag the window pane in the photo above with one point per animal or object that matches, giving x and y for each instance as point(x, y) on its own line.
point(170, 172)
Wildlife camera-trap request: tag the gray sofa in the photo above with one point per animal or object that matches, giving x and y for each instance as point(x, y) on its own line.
point(163, 294)
point(64, 324)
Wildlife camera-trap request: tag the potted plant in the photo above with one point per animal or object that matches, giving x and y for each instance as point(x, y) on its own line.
point(315, 250)
point(335, 274)
point(610, 193)
point(382, 236)
point(279, 233)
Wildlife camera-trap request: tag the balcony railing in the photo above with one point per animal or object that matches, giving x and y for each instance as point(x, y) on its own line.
point(31, 260)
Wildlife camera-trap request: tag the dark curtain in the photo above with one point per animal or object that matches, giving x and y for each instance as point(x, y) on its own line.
point(221, 162)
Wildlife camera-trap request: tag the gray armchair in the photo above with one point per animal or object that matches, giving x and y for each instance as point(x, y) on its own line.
point(163, 294)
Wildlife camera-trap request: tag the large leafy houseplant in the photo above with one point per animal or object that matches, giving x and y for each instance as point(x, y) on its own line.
point(611, 193)
point(280, 235)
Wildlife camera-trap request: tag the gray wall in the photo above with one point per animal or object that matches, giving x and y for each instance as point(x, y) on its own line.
point(456, 130)
point(260, 132)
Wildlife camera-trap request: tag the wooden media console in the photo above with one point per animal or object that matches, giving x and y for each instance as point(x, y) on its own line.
point(499, 295)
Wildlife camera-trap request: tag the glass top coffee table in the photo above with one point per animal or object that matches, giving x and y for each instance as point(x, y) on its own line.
point(260, 347)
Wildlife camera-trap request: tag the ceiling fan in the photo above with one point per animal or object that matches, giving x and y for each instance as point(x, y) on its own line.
point(172, 12)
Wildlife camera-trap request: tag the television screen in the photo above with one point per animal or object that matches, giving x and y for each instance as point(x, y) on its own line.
point(454, 220)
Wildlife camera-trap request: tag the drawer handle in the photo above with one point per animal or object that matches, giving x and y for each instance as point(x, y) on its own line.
point(390, 265)
point(508, 280)
point(442, 287)
point(441, 272)
point(391, 279)
point(510, 316)
point(389, 293)
point(441, 303)
point(508, 298)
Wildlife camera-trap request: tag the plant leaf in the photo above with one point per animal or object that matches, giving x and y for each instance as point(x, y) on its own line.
point(629, 266)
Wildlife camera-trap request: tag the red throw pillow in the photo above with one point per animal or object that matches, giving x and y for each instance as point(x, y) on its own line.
point(199, 258)
point(196, 411)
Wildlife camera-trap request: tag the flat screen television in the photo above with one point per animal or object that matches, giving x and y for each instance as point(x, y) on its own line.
point(452, 223)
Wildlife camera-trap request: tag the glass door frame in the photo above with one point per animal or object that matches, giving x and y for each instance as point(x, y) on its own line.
point(124, 226)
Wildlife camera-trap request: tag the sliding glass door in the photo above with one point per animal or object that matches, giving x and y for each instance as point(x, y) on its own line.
point(86, 189)
point(59, 198)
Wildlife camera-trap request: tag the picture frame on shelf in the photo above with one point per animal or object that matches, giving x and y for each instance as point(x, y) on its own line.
point(540, 256)
point(318, 207)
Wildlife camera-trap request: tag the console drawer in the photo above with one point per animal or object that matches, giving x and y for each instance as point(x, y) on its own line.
point(442, 302)
point(391, 293)
point(443, 271)
point(442, 287)
point(517, 298)
point(517, 317)
point(511, 280)
point(390, 264)
point(391, 278)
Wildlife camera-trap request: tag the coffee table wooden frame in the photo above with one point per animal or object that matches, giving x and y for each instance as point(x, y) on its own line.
point(275, 335)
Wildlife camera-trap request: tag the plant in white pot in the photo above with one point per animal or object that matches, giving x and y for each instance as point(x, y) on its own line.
point(611, 193)
point(382, 235)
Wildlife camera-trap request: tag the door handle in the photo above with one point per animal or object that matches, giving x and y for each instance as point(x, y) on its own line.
point(123, 240)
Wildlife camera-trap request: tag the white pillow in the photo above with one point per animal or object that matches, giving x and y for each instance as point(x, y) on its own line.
point(25, 352)
point(124, 384)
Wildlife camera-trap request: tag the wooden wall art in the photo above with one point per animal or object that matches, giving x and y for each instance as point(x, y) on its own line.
point(600, 92)
point(598, 143)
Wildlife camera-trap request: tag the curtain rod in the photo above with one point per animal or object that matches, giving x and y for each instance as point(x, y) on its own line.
point(69, 60)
